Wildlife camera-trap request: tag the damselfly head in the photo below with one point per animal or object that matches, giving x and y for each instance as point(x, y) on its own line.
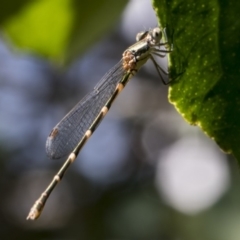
point(141, 35)
point(155, 36)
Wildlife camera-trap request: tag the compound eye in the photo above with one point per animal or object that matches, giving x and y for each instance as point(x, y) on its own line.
point(141, 35)
point(157, 34)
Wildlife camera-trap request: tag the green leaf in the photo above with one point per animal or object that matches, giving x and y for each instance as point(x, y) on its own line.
point(207, 45)
point(59, 29)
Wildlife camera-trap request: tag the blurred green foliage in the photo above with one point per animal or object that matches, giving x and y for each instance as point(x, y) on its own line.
point(58, 29)
point(206, 42)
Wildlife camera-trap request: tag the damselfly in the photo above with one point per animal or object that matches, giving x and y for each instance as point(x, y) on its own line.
point(72, 132)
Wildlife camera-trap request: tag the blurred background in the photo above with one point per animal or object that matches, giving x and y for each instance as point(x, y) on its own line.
point(144, 174)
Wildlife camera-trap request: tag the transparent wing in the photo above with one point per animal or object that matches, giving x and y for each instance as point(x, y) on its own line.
point(70, 130)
